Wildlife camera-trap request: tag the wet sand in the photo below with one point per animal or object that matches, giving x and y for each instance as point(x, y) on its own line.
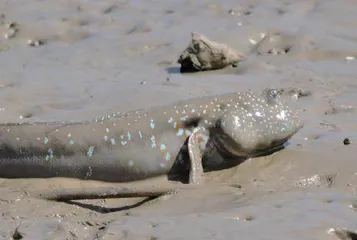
point(108, 56)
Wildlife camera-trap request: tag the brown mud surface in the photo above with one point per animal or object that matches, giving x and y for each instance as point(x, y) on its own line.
point(97, 57)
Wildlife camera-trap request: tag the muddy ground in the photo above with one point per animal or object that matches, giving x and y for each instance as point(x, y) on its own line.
point(106, 56)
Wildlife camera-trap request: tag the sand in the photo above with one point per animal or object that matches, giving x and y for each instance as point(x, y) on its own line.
point(108, 56)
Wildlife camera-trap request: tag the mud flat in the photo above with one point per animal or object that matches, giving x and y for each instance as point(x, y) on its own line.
point(75, 60)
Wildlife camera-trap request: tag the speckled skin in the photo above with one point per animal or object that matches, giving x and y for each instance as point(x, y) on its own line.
point(143, 144)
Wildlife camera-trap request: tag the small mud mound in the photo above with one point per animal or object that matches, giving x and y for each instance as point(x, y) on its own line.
point(278, 43)
point(299, 45)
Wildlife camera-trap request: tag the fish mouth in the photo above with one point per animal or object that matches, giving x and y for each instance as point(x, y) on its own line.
point(227, 147)
point(275, 146)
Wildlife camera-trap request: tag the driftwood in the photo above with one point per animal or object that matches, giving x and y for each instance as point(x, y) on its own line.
point(203, 54)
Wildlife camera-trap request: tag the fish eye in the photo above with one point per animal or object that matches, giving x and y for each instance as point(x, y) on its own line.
point(273, 93)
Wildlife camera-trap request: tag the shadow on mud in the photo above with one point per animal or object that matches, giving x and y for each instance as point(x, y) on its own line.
point(212, 161)
point(103, 209)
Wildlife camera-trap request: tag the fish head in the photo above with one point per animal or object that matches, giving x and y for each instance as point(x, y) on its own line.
point(255, 123)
